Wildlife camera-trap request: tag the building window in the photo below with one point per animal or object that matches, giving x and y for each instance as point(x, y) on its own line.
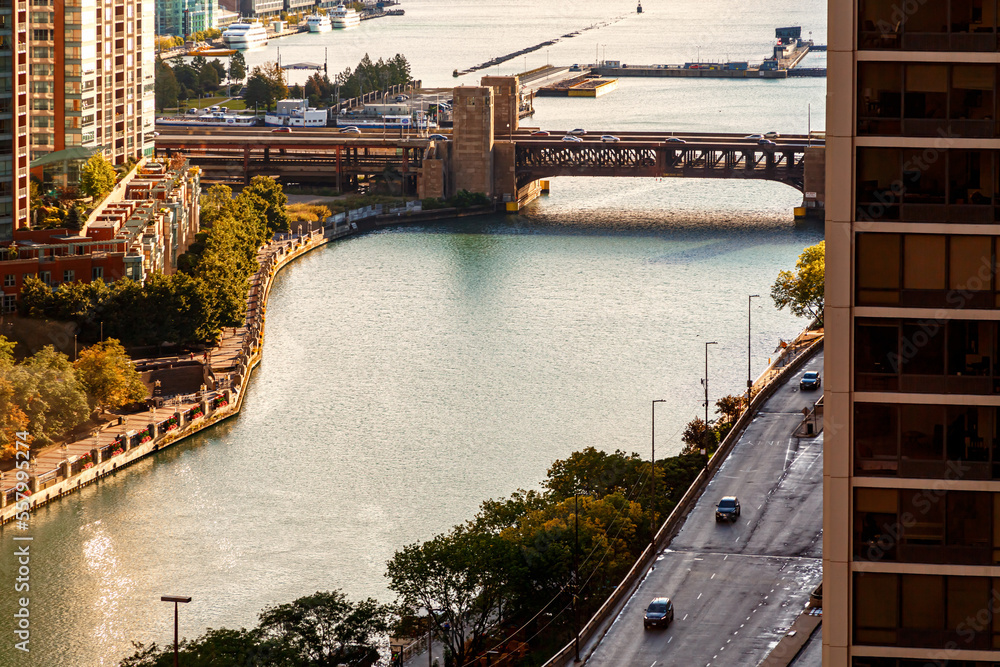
point(9, 280)
point(69, 276)
point(97, 273)
point(927, 100)
point(9, 303)
point(925, 270)
point(45, 277)
point(955, 25)
point(923, 611)
point(41, 35)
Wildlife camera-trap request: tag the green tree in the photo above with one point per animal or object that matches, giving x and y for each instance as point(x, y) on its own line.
point(166, 87)
point(208, 79)
point(198, 62)
point(237, 67)
point(325, 628)
point(97, 177)
point(729, 407)
point(108, 376)
point(266, 86)
point(802, 292)
point(186, 75)
point(463, 576)
point(275, 200)
point(51, 395)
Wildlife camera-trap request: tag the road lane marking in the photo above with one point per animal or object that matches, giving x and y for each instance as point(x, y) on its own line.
point(713, 577)
point(686, 617)
point(668, 641)
point(699, 596)
point(654, 662)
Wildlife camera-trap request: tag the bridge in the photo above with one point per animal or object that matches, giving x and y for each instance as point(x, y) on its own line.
point(688, 155)
point(488, 152)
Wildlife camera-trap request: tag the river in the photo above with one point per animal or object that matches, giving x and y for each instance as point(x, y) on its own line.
point(412, 373)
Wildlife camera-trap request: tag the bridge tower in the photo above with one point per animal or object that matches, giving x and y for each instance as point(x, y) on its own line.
point(472, 137)
point(813, 184)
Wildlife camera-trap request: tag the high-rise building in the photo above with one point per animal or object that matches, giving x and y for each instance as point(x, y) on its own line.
point(185, 17)
point(911, 542)
point(13, 117)
point(91, 84)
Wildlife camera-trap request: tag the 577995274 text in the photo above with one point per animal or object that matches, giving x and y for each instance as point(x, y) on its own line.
point(22, 543)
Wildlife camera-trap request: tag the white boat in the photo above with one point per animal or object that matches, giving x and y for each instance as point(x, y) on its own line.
point(296, 113)
point(344, 18)
point(213, 119)
point(319, 23)
point(376, 122)
point(245, 35)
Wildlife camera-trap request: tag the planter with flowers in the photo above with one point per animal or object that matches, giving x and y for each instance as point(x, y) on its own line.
point(88, 462)
point(198, 415)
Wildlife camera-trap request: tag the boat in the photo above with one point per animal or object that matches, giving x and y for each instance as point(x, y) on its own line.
point(344, 18)
point(296, 113)
point(210, 51)
point(212, 119)
point(319, 23)
point(388, 122)
point(245, 35)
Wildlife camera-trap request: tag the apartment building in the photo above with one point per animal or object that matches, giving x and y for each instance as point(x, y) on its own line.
point(91, 84)
point(13, 116)
point(141, 228)
point(911, 541)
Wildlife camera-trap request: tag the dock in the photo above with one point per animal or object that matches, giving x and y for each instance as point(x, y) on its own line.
point(579, 86)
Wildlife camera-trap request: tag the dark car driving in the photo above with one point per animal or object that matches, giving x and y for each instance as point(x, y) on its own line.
point(728, 509)
point(660, 613)
point(810, 380)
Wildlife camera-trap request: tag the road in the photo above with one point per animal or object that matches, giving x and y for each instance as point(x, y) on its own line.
point(736, 588)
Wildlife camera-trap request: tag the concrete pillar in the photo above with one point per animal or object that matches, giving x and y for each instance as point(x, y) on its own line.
point(33, 483)
point(204, 407)
point(180, 419)
point(506, 100)
point(228, 393)
point(95, 454)
point(152, 429)
point(64, 469)
point(3, 499)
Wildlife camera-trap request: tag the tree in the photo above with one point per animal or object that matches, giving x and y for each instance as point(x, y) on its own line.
point(97, 177)
point(108, 376)
point(266, 86)
point(460, 575)
point(208, 79)
point(166, 87)
point(237, 67)
point(325, 628)
point(219, 68)
point(802, 291)
point(729, 407)
point(595, 473)
point(275, 200)
point(50, 393)
point(186, 75)
point(698, 435)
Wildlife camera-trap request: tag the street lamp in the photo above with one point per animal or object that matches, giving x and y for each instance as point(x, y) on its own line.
point(576, 569)
point(175, 599)
point(652, 459)
point(705, 381)
point(749, 377)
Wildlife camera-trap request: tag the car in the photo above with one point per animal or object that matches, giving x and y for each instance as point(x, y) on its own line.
point(439, 137)
point(771, 135)
point(754, 136)
point(610, 139)
point(352, 129)
point(675, 140)
point(282, 129)
point(660, 613)
point(728, 509)
point(765, 142)
point(540, 133)
point(193, 112)
point(570, 137)
point(401, 98)
point(810, 380)
point(578, 130)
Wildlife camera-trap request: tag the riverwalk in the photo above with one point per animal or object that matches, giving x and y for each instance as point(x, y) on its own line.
point(124, 438)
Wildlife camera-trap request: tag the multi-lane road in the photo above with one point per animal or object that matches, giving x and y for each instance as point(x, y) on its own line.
point(736, 587)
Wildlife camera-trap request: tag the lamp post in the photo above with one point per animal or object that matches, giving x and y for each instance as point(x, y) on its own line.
point(712, 342)
point(652, 460)
point(749, 375)
point(175, 599)
point(576, 570)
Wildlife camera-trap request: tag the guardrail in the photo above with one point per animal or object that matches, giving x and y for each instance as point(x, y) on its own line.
point(598, 623)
